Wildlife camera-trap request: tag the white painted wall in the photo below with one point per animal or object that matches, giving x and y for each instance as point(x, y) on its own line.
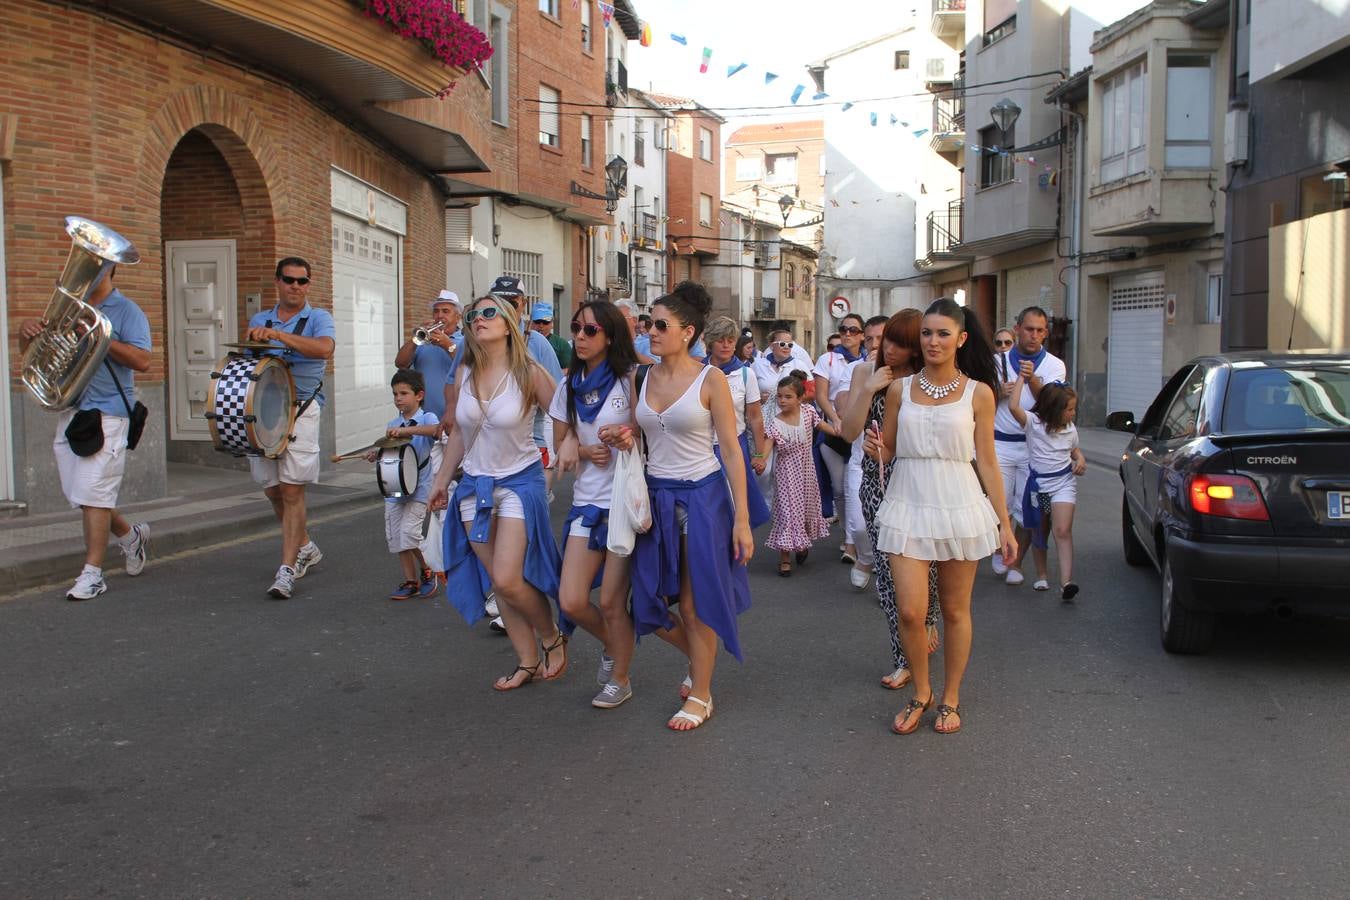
point(521, 228)
point(882, 178)
point(1287, 36)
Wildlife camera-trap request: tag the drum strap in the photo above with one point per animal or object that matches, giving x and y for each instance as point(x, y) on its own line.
point(299, 330)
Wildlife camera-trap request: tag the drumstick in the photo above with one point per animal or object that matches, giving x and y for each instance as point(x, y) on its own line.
point(339, 457)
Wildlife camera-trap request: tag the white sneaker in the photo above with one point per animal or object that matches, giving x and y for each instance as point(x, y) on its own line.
point(1014, 577)
point(859, 579)
point(137, 549)
point(309, 555)
point(490, 607)
point(1000, 567)
point(284, 584)
point(497, 625)
point(88, 586)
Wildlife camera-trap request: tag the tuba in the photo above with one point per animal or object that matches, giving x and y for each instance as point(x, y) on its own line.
point(61, 360)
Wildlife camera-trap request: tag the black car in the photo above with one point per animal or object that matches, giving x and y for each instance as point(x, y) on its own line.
point(1237, 489)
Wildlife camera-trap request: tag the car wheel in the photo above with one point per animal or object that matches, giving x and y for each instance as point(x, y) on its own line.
point(1183, 630)
point(1135, 554)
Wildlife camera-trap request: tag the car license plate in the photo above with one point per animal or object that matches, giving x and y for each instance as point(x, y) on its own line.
point(1338, 504)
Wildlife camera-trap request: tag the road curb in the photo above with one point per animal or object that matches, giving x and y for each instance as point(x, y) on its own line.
point(38, 565)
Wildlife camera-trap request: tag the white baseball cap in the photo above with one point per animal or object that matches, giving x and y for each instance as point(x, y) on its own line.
point(447, 297)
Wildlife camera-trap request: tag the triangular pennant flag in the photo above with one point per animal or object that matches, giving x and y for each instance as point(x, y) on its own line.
point(707, 58)
point(846, 107)
point(904, 124)
point(797, 92)
point(874, 119)
point(769, 76)
point(732, 70)
point(820, 96)
point(894, 119)
point(921, 132)
point(678, 38)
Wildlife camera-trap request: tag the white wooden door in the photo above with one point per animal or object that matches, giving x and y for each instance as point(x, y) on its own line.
point(1134, 353)
point(203, 316)
point(366, 315)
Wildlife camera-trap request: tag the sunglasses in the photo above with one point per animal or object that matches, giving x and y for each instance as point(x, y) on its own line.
point(489, 313)
point(1003, 343)
point(663, 324)
point(590, 329)
point(543, 321)
point(783, 345)
point(850, 329)
point(291, 279)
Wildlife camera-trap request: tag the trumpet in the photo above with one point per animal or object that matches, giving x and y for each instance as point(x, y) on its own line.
point(423, 335)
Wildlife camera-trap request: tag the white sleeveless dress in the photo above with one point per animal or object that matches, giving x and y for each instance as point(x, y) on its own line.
point(934, 507)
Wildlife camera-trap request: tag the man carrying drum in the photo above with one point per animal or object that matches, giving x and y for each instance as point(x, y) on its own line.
point(307, 335)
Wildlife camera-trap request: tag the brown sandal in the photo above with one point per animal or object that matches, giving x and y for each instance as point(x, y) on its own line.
point(560, 640)
point(944, 713)
point(910, 708)
point(504, 683)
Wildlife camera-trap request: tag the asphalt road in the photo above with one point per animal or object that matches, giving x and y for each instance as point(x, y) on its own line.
point(184, 736)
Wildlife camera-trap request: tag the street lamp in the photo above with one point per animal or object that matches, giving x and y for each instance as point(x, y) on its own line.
point(616, 174)
point(1005, 113)
point(785, 204)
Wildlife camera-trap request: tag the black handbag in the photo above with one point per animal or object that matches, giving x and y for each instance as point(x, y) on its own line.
point(84, 433)
point(137, 415)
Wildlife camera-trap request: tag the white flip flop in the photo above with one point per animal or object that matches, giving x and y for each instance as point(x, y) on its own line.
point(696, 719)
point(1041, 585)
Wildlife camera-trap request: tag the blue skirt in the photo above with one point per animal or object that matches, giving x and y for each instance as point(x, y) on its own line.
point(754, 498)
point(720, 583)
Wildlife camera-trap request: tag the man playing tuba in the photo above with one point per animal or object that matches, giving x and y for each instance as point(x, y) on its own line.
point(92, 455)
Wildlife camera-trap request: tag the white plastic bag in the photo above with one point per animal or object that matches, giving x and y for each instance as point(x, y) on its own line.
point(431, 544)
point(630, 509)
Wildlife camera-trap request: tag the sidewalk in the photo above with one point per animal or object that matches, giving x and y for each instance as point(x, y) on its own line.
point(1102, 447)
point(204, 506)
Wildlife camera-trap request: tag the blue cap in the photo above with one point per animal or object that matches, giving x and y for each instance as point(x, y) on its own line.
point(542, 312)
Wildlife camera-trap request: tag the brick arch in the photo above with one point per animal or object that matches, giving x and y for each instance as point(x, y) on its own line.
point(232, 126)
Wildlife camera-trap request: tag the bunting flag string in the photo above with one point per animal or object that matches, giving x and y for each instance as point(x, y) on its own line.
point(732, 70)
point(678, 38)
point(769, 76)
point(707, 58)
point(797, 92)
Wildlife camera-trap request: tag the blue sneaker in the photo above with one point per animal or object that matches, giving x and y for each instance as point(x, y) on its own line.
point(430, 584)
point(404, 591)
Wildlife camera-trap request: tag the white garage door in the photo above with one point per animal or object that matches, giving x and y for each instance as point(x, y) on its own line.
point(366, 314)
point(1134, 357)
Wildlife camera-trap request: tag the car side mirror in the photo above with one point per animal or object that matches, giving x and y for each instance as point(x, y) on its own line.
point(1121, 421)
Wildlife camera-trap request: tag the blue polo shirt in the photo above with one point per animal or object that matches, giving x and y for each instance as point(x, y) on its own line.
point(438, 369)
point(422, 447)
point(130, 326)
point(308, 373)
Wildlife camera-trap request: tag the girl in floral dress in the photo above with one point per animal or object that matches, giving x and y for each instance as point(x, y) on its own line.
point(797, 522)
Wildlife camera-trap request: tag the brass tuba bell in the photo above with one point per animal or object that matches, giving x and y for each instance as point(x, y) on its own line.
point(61, 360)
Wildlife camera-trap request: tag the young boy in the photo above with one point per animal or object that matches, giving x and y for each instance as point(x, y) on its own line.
point(404, 516)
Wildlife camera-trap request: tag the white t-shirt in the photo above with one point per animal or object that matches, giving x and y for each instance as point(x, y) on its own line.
point(855, 459)
point(1051, 369)
point(594, 484)
point(740, 382)
point(834, 367)
point(1049, 451)
point(768, 375)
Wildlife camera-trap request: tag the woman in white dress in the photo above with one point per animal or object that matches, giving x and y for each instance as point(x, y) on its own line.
point(935, 509)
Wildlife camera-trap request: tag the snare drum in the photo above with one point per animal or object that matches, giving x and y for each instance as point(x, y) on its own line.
point(396, 471)
point(254, 407)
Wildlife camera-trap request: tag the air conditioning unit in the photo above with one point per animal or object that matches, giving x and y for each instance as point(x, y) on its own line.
point(1236, 136)
point(937, 69)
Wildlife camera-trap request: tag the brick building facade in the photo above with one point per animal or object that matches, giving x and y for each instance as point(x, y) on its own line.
point(168, 143)
point(693, 186)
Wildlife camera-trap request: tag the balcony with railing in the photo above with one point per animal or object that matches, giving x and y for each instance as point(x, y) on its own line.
point(616, 82)
point(765, 308)
point(949, 124)
point(944, 237)
point(949, 19)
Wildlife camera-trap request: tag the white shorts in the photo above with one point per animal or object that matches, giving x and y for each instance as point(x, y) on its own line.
point(92, 480)
point(505, 505)
point(1063, 489)
point(403, 521)
point(299, 464)
point(579, 530)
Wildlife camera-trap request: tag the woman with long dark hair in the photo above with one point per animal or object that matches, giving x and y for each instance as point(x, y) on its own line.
point(501, 500)
point(595, 394)
point(688, 573)
point(898, 357)
point(935, 509)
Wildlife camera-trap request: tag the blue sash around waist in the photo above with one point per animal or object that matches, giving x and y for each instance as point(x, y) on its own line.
point(1009, 438)
point(1031, 509)
point(754, 498)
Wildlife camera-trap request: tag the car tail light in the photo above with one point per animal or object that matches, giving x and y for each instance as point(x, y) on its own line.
point(1229, 496)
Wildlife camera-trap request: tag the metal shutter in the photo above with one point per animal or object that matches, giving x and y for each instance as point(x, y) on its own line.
point(458, 230)
point(1134, 353)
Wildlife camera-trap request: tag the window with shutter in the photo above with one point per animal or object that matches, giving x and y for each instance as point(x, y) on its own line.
point(549, 101)
point(458, 230)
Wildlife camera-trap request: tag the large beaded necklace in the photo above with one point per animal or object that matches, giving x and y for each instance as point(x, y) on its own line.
point(937, 391)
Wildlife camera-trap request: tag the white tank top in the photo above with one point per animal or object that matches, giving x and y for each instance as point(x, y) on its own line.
point(501, 443)
point(679, 440)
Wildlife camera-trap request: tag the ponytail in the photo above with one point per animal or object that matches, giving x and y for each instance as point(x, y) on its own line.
point(976, 356)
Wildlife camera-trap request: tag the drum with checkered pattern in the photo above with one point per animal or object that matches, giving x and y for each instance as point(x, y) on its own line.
point(254, 406)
